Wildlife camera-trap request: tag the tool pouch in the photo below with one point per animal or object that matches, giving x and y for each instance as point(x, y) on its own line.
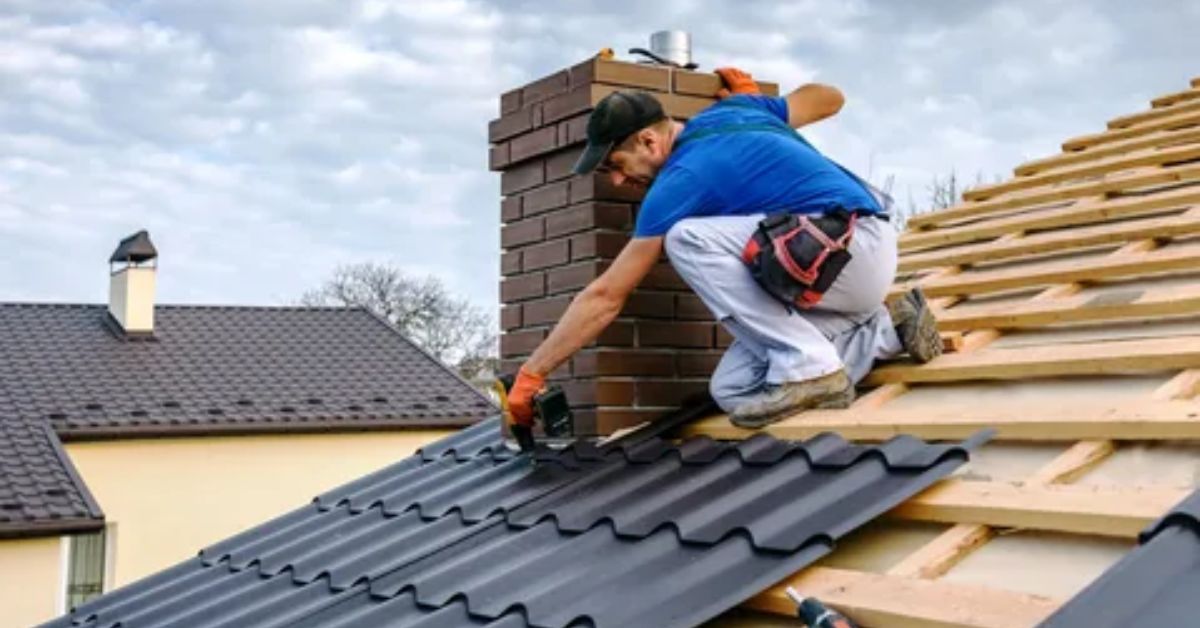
point(796, 258)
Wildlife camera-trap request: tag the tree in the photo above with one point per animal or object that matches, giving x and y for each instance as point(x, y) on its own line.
point(451, 329)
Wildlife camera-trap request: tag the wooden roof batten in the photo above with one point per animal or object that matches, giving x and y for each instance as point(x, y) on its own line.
point(1066, 205)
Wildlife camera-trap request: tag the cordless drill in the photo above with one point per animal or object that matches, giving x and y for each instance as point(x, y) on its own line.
point(815, 614)
point(550, 407)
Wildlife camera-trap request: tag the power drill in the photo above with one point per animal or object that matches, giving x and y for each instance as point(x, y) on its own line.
point(815, 614)
point(550, 407)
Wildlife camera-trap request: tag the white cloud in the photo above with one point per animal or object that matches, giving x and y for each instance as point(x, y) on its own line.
point(265, 142)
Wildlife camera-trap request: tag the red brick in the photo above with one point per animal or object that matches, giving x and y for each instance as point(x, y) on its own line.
point(558, 165)
point(689, 307)
point(544, 88)
point(522, 232)
point(510, 317)
point(523, 177)
point(582, 73)
point(602, 244)
point(522, 287)
point(510, 101)
point(498, 156)
point(510, 208)
point(573, 277)
point(574, 102)
point(627, 75)
point(537, 118)
point(510, 263)
point(510, 125)
point(663, 277)
point(537, 142)
point(590, 215)
point(622, 362)
point(668, 392)
point(699, 363)
point(604, 392)
point(599, 187)
point(642, 304)
point(522, 342)
point(545, 198)
point(545, 311)
point(573, 130)
point(545, 255)
point(724, 338)
point(675, 334)
point(509, 366)
point(617, 334)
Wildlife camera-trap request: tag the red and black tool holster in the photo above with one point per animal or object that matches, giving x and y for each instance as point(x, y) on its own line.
point(796, 258)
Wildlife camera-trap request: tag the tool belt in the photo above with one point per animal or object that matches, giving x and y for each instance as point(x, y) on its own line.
point(796, 258)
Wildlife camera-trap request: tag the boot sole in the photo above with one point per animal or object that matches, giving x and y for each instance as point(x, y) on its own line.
point(839, 401)
point(926, 343)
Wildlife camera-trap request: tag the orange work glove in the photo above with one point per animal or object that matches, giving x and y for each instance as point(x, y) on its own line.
point(520, 398)
point(736, 82)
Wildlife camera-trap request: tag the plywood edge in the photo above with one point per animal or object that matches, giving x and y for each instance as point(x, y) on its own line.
point(897, 602)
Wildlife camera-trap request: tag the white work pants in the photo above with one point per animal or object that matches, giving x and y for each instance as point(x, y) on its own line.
point(850, 327)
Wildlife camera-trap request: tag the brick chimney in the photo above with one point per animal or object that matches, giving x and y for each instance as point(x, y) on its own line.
point(560, 231)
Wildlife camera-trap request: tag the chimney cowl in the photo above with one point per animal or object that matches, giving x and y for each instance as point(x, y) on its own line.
point(135, 249)
point(673, 46)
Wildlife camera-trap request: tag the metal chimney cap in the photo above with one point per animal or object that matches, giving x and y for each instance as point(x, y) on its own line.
point(674, 46)
point(135, 249)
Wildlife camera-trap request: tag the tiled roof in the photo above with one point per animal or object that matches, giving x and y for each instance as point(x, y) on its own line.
point(636, 534)
point(1155, 585)
point(67, 371)
point(39, 490)
point(223, 369)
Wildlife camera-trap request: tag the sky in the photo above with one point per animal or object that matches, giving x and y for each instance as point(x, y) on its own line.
point(264, 143)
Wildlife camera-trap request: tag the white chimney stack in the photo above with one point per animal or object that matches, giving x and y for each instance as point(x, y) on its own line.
point(131, 284)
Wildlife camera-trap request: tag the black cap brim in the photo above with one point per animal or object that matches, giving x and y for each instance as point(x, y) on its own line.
point(591, 157)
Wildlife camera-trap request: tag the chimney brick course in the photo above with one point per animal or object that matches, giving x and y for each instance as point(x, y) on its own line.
point(560, 231)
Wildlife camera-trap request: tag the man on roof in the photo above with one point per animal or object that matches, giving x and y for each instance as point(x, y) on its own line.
point(792, 253)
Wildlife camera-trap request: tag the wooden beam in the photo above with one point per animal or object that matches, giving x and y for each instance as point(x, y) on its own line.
point(1188, 118)
point(1168, 137)
point(1125, 305)
point(1082, 212)
point(1158, 113)
point(1103, 268)
point(1170, 99)
point(880, 600)
point(1145, 157)
point(1185, 385)
point(1117, 511)
point(1196, 82)
point(1055, 242)
point(1084, 358)
point(938, 556)
point(1119, 182)
point(1140, 421)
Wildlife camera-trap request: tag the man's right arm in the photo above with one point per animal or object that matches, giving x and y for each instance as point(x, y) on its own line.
point(813, 102)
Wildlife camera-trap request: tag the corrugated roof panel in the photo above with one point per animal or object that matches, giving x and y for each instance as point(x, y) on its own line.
point(649, 533)
point(1157, 584)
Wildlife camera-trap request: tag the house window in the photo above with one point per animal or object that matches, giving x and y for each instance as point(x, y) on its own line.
point(85, 575)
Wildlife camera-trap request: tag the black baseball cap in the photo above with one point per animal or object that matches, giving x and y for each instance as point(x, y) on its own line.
point(616, 117)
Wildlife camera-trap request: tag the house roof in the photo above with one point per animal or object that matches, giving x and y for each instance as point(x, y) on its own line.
point(1071, 293)
point(205, 371)
point(40, 493)
point(637, 533)
point(1155, 585)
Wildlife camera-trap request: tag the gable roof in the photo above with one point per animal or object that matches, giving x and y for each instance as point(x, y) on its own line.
point(206, 371)
point(1155, 585)
point(642, 533)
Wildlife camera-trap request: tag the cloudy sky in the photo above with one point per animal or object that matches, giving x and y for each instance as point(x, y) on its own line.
point(264, 142)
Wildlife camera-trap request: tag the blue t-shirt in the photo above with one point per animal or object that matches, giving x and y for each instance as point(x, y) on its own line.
point(766, 169)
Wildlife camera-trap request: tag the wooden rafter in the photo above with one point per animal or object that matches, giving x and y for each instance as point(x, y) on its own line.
point(1183, 105)
point(1127, 304)
point(1157, 139)
point(1189, 118)
point(1180, 96)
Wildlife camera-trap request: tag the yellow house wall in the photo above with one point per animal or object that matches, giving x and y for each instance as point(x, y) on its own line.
point(29, 580)
point(165, 499)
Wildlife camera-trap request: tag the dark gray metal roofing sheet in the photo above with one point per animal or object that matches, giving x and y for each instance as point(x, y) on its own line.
point(1157, 584)
point(465, 533)
point(206, 370)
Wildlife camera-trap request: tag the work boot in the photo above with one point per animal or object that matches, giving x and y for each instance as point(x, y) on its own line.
point(828, 391)
point(916, 326)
